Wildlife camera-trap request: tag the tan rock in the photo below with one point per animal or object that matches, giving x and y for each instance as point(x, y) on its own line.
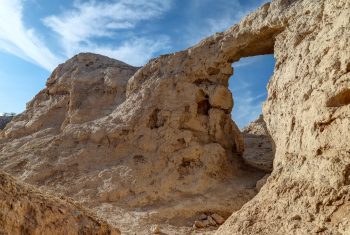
point(220, 97)
point(211, 221)
point(307, 115)
point(218, 219)
point(25, 210)
point(155, 229)
point(261, 182)
point(120, 140)
point(111, 139)
point(201, 223)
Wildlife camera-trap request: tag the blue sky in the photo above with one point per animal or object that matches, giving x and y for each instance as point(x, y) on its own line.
point(37, 35)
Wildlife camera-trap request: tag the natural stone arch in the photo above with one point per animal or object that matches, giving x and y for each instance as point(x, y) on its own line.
point(171, 133)
point(168, 136)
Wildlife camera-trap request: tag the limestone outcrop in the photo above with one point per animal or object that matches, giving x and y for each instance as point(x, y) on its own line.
point(156, 145)
point(25, 210)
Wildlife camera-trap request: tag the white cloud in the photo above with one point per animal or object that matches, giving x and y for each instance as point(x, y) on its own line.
point(246, 61)
point(135, 51)
point(16, 39)
point(228, 14)
point(78, 28)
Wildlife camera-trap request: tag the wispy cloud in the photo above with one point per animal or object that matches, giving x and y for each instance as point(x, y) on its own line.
point(135, 51)
point(79, 27)
point(228, 14)
point(23, 42)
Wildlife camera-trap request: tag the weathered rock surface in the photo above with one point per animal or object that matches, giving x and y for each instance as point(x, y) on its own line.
point(116, 142)
point(307, 113)
point(258, 146)
point(119, 140)
point(25, 210)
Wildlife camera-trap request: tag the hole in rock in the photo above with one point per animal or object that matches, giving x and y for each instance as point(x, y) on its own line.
point(249, 90)
point(156, 120)
point(203, 105)
point(248, 86)
point(139, 159)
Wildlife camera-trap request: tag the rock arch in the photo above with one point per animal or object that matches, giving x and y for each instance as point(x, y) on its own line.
point(169, 135)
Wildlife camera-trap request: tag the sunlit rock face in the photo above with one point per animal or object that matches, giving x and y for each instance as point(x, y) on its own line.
point(307, 114)
point(161, 139)
point(114, 136)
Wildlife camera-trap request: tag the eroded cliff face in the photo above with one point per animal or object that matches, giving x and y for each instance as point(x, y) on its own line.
point(116, 140)
point(308, 115)
point(25, 210)
point(162, 139)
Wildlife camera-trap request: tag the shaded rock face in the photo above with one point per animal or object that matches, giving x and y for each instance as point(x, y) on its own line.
point(258, 145)
point(170, 135)
point(25, 210)
point(4, 120)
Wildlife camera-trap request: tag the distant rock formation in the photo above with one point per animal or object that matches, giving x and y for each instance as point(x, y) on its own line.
point(25, 210)
point(4, 120)
point(157, 145)
point(258, 151)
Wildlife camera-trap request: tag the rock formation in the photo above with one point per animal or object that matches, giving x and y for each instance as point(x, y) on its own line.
point(114, 140)
point(4, 120)
point(25, 210)
point(307, 113)
point(157, 144)
point(258, 146)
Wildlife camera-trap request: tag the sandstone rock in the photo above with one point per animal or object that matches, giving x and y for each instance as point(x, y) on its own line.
point(201, 223)
point(120, 140)
point(24, 210)
point(211, 221)
point(258, 145)
point(155, 229)
point(307, 114)
point(115, 140)
point(218, 219)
